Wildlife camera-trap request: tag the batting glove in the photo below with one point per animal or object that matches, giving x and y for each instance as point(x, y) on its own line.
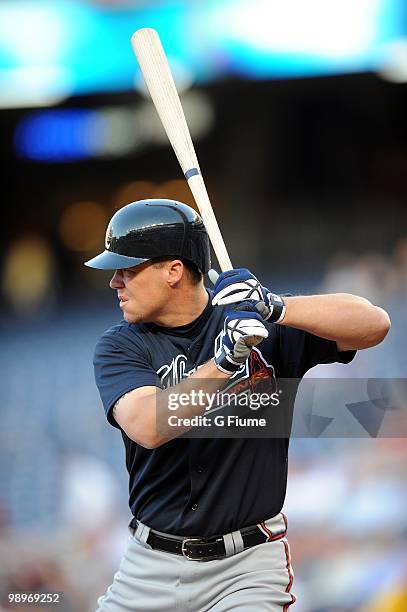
point(236, 339)
point(240, 284)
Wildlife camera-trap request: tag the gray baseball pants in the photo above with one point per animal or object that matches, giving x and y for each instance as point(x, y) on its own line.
point(256, 579)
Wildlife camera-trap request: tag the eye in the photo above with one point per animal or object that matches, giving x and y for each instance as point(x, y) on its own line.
point(128, 273)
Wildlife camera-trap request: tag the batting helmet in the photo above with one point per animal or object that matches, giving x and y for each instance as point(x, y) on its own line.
point(148, 229)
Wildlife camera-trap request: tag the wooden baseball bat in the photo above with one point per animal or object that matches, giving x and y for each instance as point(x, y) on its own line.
point(160, 83)
point(157, 75)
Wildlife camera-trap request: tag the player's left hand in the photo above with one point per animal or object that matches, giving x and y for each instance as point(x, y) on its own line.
point(239, 285)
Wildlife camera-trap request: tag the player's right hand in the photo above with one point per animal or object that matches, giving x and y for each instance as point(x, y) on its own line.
point(235, 343)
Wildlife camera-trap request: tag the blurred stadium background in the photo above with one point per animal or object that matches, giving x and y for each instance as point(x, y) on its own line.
point(298, 114)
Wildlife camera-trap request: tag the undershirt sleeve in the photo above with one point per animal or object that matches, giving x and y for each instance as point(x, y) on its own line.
point(121, 365)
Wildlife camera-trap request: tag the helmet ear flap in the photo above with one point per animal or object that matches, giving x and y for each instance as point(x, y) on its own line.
point(148, 229)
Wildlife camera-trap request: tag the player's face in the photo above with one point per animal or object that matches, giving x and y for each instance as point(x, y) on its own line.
point(141, 291)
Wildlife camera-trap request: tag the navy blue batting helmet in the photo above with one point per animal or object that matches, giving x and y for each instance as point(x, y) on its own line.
point(149, 229)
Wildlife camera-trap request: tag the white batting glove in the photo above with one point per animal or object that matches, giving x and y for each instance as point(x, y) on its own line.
point(239, 329)
point(239, 285)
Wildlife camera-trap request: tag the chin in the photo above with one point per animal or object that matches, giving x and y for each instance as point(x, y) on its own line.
point(132, 317)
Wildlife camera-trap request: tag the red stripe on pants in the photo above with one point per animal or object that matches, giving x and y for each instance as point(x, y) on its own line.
point(290, 574)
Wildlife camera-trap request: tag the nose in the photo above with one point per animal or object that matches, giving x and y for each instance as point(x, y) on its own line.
point(117, 280)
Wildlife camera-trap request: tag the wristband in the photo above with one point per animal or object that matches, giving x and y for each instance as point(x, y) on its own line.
point(226, 364)
point(277, 308)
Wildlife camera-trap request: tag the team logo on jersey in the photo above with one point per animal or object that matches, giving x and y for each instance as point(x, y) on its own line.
point(255, 375)
point(171, 374)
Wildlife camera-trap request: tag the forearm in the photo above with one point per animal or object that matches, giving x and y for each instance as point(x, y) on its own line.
point(165, 414)
point(350, 320)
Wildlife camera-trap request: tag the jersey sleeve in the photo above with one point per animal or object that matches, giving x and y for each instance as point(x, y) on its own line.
point(299, 351)
point(121, 364)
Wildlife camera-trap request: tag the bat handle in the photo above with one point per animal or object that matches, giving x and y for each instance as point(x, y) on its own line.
point(250, 340)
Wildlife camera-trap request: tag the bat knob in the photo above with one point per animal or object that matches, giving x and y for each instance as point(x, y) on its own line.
point(213, 276)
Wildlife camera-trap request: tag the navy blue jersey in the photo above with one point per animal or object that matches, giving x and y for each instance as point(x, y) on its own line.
point(193, 486)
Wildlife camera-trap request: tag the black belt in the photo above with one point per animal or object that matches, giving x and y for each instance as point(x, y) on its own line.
point(203, 549)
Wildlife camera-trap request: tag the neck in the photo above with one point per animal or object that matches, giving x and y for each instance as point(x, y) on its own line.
point(184, 307)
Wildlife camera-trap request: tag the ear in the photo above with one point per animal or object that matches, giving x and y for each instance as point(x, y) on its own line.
point(175, 271)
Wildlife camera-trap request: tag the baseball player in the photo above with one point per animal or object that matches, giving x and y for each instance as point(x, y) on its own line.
point(207, 531)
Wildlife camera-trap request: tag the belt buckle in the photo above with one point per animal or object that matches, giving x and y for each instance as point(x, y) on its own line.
point(184, 552)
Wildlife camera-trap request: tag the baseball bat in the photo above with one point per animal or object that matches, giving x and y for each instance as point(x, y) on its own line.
point(160, 83)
